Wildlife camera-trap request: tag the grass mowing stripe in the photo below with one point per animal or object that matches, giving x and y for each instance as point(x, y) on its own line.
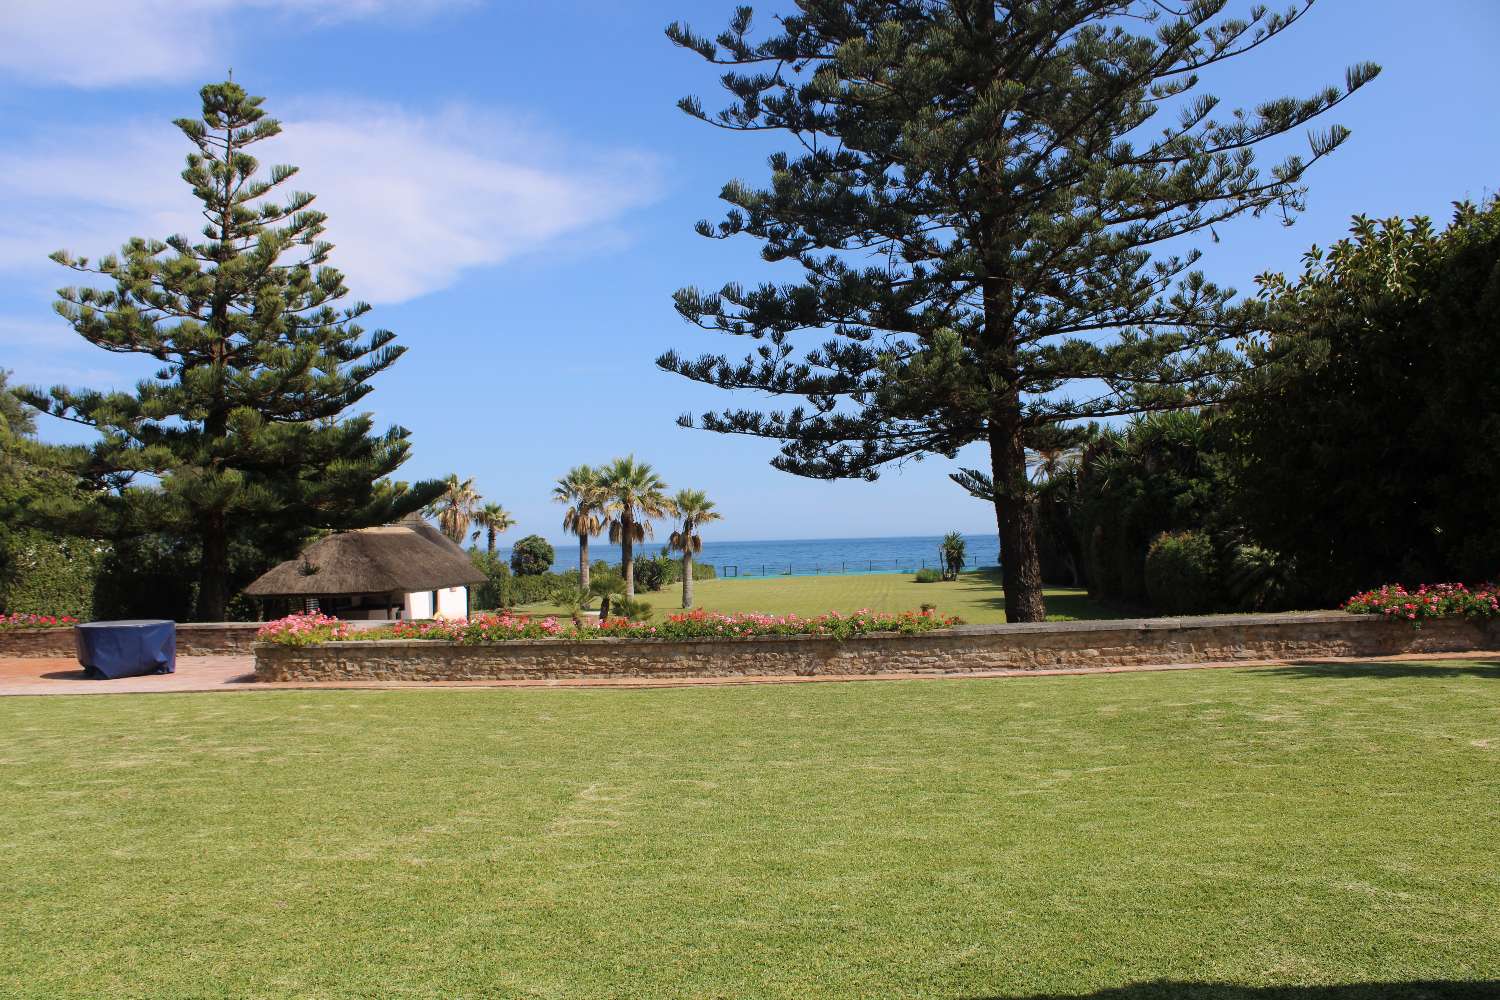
point(1051, 836)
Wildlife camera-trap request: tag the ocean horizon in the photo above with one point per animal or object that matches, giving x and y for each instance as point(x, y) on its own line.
point(801, 556)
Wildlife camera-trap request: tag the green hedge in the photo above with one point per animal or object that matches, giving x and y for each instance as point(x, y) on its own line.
point(1182, 573)
point(45, 575)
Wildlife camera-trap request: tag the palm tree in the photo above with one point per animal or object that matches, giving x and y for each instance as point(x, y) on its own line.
point(637, 494)
point(589, 511)
point(455, 508)
point(491, 520)
point(695, 509)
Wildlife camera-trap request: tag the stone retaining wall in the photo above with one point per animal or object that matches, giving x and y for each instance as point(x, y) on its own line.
point(964, 649)
point(193, 639)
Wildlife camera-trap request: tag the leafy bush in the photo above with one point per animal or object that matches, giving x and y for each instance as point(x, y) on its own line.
point(1364, 438)
point(652, 573)
point(1182, 573)
point(532, 556)
point(533, 589)
point(633, 610)
point(47, 575)
point(1259, 579)
point(495, 589)
point(928, 575)
point(1429, 601)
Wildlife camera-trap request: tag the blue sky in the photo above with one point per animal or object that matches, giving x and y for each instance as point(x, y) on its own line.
point(511, 185)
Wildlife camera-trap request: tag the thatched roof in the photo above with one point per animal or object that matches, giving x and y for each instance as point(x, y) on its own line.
point(406, 557)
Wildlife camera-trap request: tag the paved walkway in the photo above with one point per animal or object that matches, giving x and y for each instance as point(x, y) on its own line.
point(22, 676)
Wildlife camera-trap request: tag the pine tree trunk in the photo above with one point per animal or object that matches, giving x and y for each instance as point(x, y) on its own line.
point(687, 579)
point(1015, 515)
point(583, 560)
point(213, 574)
point(627, 553)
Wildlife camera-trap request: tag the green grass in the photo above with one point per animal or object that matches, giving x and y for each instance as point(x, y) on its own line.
point(1115, 836)
point(975, 596)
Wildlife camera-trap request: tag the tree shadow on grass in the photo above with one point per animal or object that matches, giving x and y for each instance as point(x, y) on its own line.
point(1071, 605)
point(1165, 990)
point(1388, 670)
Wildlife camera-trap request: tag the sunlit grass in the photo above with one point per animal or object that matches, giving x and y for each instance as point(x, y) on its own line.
point(1035, 837)
point(975, 597)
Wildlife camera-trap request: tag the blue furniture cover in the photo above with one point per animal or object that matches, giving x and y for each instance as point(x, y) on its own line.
point(127, 649)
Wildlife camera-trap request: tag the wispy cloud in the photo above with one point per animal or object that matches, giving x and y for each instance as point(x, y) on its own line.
point(414, 199)
point(97, 43)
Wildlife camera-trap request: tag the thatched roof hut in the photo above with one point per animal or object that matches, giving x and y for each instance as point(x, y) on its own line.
point(396, 559)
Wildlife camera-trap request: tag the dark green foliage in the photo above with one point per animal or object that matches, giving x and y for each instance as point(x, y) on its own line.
point(652, 573)
point(495, 591)
point(532, 556)
point(246, 424)
point(672, 568)
point(43, 568)
point(50, 575)
point(929, 575)
point(150, 575)
point(1259, 579)
point(1182, 574)
point(1160, 474)
point(632, 608)
point(978, 205)
point(1366, 445)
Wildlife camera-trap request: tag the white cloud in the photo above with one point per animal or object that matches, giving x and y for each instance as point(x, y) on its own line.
point(96, 43)
point(413, 200)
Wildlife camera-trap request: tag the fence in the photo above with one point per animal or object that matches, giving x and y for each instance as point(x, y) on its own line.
point(843, 567)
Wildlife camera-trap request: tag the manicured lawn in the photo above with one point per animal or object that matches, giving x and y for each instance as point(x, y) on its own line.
point(1042, 837)
point(975, 597)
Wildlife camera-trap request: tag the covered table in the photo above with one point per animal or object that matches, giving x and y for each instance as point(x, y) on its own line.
point(127, 649)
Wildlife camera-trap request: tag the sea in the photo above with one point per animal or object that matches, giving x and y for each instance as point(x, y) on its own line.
point(804, 556)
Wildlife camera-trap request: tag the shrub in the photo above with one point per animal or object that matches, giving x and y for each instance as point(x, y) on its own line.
point(1182, 573)
point(532, 556)
point(1259, 579)
point(928, 575)
point(634, 610)
point(495, 589)
point(654, 572)
point(1429, 601)
point(46, 575)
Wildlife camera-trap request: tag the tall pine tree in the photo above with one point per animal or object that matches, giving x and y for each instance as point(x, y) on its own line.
point(244, 424)
point(990, 214)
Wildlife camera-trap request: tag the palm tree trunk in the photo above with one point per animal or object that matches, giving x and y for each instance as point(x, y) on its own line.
point(627, 551)
point(583, 560)
point(687, 579)
point(492, 539)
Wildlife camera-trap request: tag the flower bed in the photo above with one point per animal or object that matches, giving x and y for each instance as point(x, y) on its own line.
point(20, 621)
point(308, 630)
point(303, 630)
point(1427, 602)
